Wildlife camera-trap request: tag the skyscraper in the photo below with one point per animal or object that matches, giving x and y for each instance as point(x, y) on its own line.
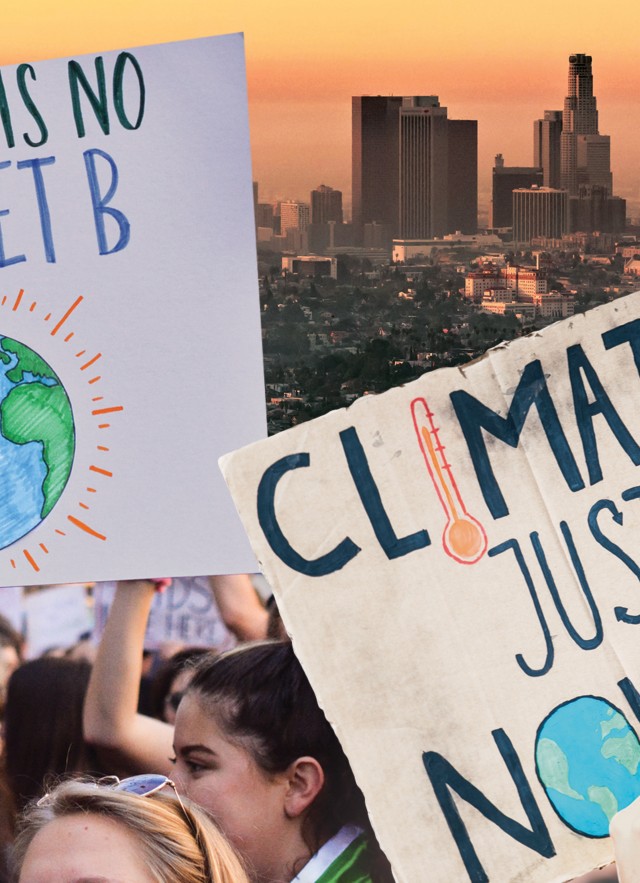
point(539, 212)
point(505, 180)
point(293, 216)
point(463, 176)
point(423, 169)
point(546, 147)
point(326, 205)
point(584, 153)
point(374, 149)
point(414, 170)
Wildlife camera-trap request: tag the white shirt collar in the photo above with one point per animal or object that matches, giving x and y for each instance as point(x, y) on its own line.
point(328, 853)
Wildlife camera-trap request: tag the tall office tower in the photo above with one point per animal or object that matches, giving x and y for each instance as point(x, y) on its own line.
point(539, 212)
point(546, 147)
point(583, 151)
point(264, 214)
point(414, 171)
point(463, 176)
point(424, 169)
point(326, 205)
point(593, 154)
point(374, 148)
point(505, 180)
point(293, 216)
point(595, 209)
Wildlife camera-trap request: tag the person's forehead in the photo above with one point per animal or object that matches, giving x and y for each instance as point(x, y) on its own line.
point(84, 848)
point(193, 717)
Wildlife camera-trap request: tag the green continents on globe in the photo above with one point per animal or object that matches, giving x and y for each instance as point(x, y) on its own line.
point(37, 440)
point(587, 759)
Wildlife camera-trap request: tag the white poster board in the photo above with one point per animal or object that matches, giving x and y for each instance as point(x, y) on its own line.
point(457, 562)
point(56, 617)
point(12, 607)
point(186, 614)
point(129, 323)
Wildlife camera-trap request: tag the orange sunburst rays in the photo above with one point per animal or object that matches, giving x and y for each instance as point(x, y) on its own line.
point(99, 473)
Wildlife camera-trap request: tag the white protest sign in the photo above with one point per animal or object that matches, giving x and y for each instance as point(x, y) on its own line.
point(129, 323)
point(12, 606)
point(186, 613)
point(457, 561)
point(56, 616)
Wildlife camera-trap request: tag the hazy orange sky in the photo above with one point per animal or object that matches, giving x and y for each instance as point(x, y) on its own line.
point(502, 63)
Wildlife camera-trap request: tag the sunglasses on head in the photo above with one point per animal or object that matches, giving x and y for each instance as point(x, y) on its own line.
point(143, 786)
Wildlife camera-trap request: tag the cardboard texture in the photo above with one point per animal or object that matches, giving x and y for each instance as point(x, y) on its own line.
point(129, 320)
point(457, 563)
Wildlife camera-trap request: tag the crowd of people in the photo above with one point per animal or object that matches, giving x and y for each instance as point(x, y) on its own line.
point(233, 774)
point(225, 770)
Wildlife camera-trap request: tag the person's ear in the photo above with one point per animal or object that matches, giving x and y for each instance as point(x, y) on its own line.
point(305, 781)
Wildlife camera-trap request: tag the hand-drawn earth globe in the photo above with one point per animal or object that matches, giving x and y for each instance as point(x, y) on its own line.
point(587, 758)
point(37, 440)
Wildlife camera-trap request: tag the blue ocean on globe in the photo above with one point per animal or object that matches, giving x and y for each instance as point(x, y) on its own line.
point(22, 473)
point(588, 758)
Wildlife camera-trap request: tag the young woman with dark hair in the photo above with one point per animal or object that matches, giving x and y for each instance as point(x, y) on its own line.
point(170, 681)
point(11, 651)
point(43, 725)
point(252, 747)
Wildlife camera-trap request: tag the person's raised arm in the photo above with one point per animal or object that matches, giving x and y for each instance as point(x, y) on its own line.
point(127, 742)
point(240, 607)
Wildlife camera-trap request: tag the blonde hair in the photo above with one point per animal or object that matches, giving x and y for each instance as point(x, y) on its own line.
point(178, 841)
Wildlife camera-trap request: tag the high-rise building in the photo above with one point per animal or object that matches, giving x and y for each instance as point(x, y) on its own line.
point(583, 151)
point(593, 155)
point(293, 216)
point(423, 167)
point(546, 147)
point(264, 214)
point(326, 205)
point(463, 176)
point(374, 149)
point(414, 170)
point(594, 209)
point(539, 212)
point(505, 180)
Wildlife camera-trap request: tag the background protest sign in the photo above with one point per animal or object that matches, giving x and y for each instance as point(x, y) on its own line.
point(56, 617)
point(185, 614)
point(130, 342)
point(457, 563)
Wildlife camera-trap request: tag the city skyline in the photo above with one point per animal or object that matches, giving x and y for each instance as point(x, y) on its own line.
point(502, 66)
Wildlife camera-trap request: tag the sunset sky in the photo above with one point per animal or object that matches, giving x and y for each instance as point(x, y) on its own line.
point(502, 63)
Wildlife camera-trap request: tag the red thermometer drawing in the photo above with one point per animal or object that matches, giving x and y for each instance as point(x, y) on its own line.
point(464, 538)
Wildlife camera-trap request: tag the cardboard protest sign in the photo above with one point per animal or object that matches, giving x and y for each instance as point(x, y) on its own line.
point(457, 562)
point(129, 323)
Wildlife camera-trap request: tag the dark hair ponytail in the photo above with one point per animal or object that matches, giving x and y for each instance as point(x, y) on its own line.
point(262, 698)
